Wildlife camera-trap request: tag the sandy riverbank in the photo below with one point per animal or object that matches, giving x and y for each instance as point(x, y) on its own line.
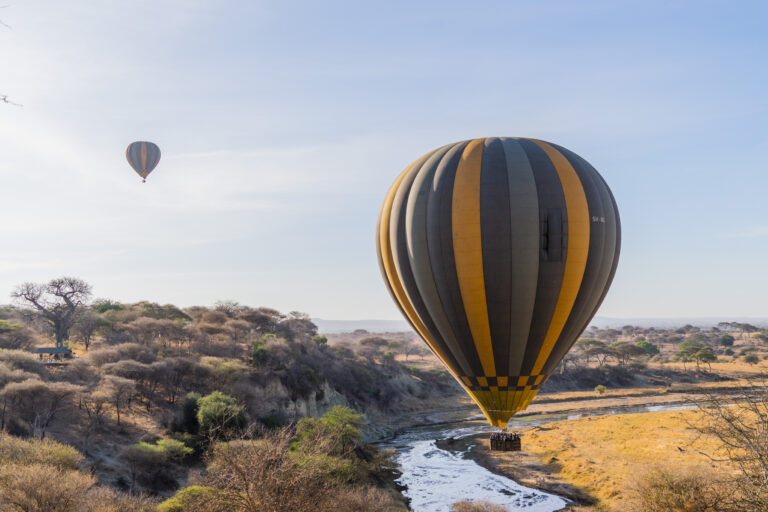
point(595, 461)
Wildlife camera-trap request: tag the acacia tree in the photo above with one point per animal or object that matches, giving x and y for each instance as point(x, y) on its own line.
point(119, 391)
point(584, 344)
point(86, 325)
point(624, 351)
point(601, 353)
point(690, 349)
point(58, 302)
point(704, 355)
point(410, 348)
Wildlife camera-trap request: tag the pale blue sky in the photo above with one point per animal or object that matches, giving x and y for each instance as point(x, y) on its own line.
point(282, 124)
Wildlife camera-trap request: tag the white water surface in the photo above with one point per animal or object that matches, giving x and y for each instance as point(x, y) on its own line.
point(436, 479)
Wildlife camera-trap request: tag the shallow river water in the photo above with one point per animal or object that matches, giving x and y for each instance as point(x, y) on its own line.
point(435, 479)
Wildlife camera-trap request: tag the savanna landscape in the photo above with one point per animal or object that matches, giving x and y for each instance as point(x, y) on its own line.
point(435, 256)
point(155, 407)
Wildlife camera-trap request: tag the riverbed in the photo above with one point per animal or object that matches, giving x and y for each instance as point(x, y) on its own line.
point(434, 479)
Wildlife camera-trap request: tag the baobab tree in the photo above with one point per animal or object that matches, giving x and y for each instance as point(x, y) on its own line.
point(57, 302)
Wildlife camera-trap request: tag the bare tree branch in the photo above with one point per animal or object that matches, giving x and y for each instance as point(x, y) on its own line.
point(740, 423)
point(59, 302)
point(4, 98)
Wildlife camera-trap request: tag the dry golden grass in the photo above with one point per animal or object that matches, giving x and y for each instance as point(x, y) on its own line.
point(579, 402)
point(727, 368)
point(426, 362)
point(605, 455)
point(643, 392)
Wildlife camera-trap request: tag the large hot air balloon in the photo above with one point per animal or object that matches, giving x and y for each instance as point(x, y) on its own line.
point(498, 252)
point(143, 157)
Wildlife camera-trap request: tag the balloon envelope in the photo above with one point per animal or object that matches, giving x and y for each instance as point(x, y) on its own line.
point(143, 157)
point(498, 252)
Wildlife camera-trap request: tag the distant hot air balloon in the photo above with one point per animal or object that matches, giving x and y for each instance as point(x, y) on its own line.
point(143, 157)
point(498, 252)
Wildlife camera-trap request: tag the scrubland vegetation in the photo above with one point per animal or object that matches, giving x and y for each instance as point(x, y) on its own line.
point(321, 465)
point(37, 476)
point(238, 408)
point(156, 397)
point(636, 356)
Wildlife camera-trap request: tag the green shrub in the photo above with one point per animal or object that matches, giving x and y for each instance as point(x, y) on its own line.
point(219, 415)
point(271, 422)
point(197, 443)
point(104, 305)
point(184, 498)
point(726, 340)
point(600, 389)
point(341, 424)
point(259, 353)
point(650, 348)
point(150, 464)
point(173, 449)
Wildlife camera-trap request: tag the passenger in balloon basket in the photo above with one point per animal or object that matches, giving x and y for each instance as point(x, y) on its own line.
point(505, 441)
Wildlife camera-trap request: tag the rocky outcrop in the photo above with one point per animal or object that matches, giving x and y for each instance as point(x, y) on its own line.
point(274, 399)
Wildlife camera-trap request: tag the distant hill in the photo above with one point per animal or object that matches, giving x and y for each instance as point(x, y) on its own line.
point(339, 326)
point(666, 323)
point(378, 326)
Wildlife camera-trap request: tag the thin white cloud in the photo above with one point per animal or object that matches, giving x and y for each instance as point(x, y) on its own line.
point(749, 232)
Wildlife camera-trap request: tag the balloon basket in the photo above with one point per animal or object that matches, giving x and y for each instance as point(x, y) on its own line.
point(505, 442)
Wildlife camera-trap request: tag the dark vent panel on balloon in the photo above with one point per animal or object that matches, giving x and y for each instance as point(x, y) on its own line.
point(552, 235)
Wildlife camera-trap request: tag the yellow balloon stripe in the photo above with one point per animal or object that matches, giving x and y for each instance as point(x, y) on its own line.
point(143, 159)
point(576, 255)
point(389, 266)
point(468, 250)
point(397, 287)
